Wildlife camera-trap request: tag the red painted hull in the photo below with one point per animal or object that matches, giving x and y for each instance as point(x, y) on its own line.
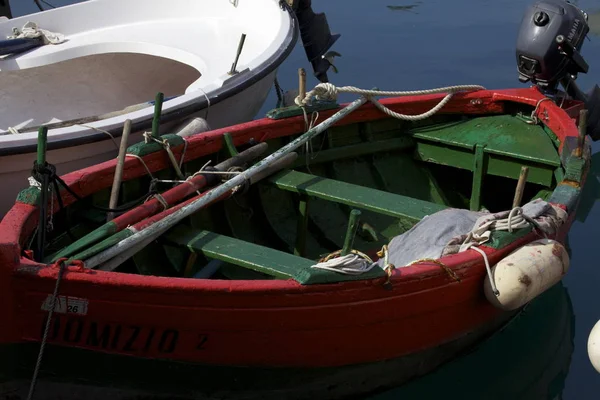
point(259, 323)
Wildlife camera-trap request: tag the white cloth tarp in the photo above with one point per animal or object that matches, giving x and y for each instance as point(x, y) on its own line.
point(447, 231)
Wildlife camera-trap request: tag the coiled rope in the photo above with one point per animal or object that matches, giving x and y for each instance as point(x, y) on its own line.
point(481, 234)
point(328, 92)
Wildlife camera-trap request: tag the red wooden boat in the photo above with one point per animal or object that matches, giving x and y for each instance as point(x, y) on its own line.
point(214, 289)
point(267, 324)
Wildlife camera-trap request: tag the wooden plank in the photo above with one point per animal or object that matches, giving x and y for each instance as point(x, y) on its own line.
point(355, 196)
point(272, 262)
point(503, 135)
point(479, 168)
point(356, 150)
point(497, 165)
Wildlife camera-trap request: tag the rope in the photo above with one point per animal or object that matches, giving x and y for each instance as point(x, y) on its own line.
point(449, 271)
point(54, 179)
point(160, 199)
point(165, 144)
point(353, 263)
point(61, 264)
point(387, 267)
point(328, 91)
point(481, 234)
point(101, 131)
point(534, 118)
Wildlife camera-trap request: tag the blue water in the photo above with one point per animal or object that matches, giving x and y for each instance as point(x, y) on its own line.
point(439, 43)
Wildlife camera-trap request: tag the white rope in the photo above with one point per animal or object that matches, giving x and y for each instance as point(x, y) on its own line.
point(328, 91)
point(534, 118)
point(481, 234)
point(160, 199)
point(101, 131)
point(165, 144)
point(143, 163)
point(31, 30)
point(350, 264)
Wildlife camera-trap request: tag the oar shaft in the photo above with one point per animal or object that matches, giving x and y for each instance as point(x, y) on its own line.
point(122, 256)
point(189, 209)
point(152, 206)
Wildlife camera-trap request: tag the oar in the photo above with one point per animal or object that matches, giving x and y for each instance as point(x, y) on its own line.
point(152, 206)
point(114, 262)
point(148, 222)
point(187, 210)
point(116, 187)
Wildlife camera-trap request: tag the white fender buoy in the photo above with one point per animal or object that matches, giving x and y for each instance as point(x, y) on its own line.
point(594, 346)
point(526, 273)
point(192, 126)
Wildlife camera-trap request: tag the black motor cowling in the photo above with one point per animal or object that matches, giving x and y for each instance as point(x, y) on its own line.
point(548, 54)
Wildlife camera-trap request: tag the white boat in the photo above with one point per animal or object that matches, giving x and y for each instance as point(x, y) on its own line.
point(115, 57)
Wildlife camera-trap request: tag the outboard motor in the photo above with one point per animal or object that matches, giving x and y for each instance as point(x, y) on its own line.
point(316, 37)
point(548, 54)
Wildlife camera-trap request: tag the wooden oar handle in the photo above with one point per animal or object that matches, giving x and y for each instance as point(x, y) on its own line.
point(242, 158)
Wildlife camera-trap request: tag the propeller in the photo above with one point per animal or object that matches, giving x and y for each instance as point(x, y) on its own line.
point(329, 56)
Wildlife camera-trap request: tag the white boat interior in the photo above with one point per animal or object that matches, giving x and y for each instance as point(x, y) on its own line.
point(120, 53)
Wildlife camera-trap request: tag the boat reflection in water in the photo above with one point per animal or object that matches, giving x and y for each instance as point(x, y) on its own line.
point(529, 359)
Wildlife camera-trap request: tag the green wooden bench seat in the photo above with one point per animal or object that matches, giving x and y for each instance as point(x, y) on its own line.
point(272, 262)
point(355, 196)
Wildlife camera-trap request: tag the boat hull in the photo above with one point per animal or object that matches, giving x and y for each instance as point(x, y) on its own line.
point(123, 377)
point(16, 168)
point(373, 332)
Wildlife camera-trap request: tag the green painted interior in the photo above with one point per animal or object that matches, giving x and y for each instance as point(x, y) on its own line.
point(394, 172)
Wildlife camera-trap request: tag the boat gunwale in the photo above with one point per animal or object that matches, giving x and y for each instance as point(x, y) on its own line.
point(21, 220)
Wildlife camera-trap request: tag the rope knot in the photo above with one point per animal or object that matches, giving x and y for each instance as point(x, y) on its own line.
point(43, 169)
point(323, 91)
point(77, 265)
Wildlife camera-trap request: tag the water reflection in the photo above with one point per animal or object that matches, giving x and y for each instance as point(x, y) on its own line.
point(529, 359)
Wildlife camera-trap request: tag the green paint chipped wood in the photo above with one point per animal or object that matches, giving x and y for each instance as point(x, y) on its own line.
point(294, 111)
point(141, 149)
point(574, 169)
point(302, 226)
point(30, 195)
point(501, 239)
point(259, 258)
point(478, 173)
point(355, 195)
point(565, 194)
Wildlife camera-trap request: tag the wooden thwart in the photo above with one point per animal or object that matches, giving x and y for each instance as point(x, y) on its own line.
point(361, 197)
point(275, 263)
